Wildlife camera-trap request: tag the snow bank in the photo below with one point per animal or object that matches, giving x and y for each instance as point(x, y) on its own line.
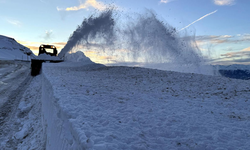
point(47, 57)
point(55, 122)
point(28, 117)
point(98, 107)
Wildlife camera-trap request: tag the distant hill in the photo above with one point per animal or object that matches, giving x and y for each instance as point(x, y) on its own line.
point(10, 49)
point(236, 74)
point(235, 71)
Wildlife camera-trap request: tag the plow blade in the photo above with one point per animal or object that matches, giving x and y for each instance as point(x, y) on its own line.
point(36, 65)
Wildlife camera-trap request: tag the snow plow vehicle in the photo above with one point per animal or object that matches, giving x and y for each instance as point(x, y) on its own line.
point(47, 49)
point(47, 53)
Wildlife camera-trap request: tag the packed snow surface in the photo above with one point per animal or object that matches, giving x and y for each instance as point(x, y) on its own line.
point(30, 134)
point(20, 107)
point(98, 107)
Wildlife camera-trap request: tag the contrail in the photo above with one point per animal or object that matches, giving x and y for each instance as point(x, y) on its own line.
point(199, 19)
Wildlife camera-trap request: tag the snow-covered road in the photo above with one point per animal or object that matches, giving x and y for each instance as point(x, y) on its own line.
point(12, 74)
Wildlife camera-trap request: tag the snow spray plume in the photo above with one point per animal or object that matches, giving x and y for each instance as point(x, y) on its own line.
point(153, 41)
point(149, 42)
point(90, 29)
point(140, 39)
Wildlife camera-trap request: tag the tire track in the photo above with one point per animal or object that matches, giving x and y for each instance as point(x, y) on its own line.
point(18, 80)
point(11, 79)
point(13, 100)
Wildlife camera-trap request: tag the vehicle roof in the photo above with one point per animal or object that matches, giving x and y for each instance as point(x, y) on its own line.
point(47, 46)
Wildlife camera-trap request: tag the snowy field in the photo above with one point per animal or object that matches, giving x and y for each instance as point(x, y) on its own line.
point(98, 107)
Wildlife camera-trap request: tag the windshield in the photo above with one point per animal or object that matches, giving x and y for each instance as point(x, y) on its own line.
point(49, 50)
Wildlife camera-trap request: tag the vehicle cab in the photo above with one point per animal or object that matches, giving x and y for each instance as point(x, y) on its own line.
point(48, 49)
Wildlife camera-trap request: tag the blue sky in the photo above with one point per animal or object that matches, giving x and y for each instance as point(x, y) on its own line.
point(221, 26)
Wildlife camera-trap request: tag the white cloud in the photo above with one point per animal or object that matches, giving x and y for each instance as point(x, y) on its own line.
point(227, 36)
point(89, 3)
point(166, 1)
point(14, 22)
point(199, 19)
point(48, 35)
point(42, 1)
point(59, 9)
point(246, 49)
point(223, 39)
point(224, 2)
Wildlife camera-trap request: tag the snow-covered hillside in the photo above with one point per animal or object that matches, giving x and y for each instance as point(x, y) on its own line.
point(235, 71)
point(233, 67)
point(11, 50)
point(99, 107)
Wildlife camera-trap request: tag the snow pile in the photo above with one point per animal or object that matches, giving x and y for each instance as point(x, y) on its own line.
point(99, 107)
point(55, 122)
point(11, 50)
point(30, 134)
point(77, 57)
